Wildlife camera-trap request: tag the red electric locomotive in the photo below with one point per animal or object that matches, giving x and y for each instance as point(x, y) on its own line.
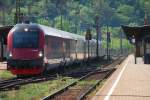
point(25, 49)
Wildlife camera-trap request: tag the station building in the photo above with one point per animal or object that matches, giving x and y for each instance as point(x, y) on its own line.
point(140, 37)
point(4, 30)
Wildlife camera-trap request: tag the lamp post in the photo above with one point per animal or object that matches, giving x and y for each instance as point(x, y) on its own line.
point(77, 15)
point(18, 15)
point(145, 19)
point(97, 31)
point(107, 44)
point(133, 40)
point(121, 41)
point(88, 37)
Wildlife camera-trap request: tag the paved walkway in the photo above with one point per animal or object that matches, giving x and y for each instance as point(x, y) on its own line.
point(129, 82)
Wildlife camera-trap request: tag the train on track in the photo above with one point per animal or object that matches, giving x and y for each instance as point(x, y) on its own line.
point(34, 48)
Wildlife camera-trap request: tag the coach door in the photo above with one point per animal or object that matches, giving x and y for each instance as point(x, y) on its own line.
point(64, 49)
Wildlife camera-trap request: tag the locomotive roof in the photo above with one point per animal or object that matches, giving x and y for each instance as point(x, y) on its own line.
point(55, 32)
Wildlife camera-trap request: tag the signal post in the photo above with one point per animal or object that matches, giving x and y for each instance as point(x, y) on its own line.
point(88, 37)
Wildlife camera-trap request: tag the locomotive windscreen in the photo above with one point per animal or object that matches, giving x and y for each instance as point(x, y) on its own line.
point(25, 39)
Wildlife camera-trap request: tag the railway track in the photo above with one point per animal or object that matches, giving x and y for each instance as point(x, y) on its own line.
point(79, 89)
point(15, 83)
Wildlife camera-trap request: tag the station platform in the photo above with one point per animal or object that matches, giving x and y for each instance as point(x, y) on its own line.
point(129, 82)
point(3, 65)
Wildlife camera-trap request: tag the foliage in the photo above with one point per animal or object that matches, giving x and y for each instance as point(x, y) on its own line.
point(80, 12)
point(78, 15)
point(5, 75)
point(43, 22)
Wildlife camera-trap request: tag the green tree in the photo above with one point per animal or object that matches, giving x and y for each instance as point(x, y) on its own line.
point(43, 22)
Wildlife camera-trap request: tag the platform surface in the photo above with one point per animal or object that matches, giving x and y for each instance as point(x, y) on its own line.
point(129, 82)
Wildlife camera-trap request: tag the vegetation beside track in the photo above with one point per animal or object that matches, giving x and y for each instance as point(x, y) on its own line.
point(6, 74)
point(37, 90)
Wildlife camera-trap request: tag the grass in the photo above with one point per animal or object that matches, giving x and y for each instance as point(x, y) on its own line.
point(37, 90)
point(5, 74)
point(87, 82)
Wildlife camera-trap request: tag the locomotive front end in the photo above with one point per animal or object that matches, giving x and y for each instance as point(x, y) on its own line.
point(25, 50)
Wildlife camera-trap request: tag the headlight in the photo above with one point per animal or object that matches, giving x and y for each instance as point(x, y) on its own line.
point(40, 54)
point(10, 54)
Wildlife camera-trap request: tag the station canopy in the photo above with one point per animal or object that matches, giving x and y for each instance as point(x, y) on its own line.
point(138, 32)
point(5, 29)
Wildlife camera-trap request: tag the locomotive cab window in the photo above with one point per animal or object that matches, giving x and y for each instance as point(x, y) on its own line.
point(26, 39)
